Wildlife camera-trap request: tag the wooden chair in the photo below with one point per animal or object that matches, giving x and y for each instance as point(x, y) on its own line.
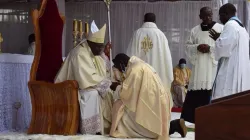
point(224, 119)
point(55, 107)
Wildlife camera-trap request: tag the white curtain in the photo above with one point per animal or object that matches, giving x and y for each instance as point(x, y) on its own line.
point(224, 1)
point(61, 8)
point(175, 19)
point(248, 15)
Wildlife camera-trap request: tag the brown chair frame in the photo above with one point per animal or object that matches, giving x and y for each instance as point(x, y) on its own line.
point(55, 107)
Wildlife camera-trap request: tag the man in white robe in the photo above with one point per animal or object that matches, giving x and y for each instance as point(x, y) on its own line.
point(85, 65)
point(232, 51)
point(143, 106)
point(200, 52)
point(151, 45)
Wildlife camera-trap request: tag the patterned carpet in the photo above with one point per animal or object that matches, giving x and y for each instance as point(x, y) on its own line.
point(24, 136)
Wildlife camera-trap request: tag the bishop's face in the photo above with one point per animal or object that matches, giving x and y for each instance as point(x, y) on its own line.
point(96, 48)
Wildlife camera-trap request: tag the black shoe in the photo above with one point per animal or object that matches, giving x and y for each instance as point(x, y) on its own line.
point(98, 133)
point(178, 126)
point(182, 129)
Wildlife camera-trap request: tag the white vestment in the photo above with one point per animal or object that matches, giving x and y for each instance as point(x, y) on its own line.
point(204, 65)
point(94, 97)
point(232, 48)
point(32, 48)
point(151, 45)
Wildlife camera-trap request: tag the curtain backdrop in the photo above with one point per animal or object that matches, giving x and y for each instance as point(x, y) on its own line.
point(175, 19)
point(16, 26)
point(61, 8)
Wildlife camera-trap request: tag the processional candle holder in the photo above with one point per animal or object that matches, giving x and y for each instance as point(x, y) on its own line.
point(75, 32)
point(86, 31)
point(75, 36)
point(1, 40)
point(78, 33)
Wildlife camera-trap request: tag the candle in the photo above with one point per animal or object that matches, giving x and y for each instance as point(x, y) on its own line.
point(1, 38)
point(80, 26)
point(75, 25)
point(86, 28)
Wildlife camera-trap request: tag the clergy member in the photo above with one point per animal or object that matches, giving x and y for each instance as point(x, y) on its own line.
point(85, 65)
point(180, 84)
point(143, 106)
point(200, 52)
point(232, 51)
point(32, 44)
point(151, 45)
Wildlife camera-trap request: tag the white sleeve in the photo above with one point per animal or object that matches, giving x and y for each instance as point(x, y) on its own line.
point(116, 94)
point(103, 87)
point(191, 48)
point(226, 42)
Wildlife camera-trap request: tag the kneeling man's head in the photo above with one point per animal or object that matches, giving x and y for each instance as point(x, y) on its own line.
point(121, 61)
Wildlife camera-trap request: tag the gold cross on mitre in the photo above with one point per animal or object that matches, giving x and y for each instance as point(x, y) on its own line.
point(147, 44)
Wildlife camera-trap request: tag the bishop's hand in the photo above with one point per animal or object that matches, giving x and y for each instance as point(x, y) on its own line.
point(213, 34)
point(107, 49)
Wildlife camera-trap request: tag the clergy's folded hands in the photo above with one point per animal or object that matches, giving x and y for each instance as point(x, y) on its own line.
point(203, 48)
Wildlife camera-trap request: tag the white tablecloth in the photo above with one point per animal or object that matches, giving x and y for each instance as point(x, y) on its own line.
point(14, 76)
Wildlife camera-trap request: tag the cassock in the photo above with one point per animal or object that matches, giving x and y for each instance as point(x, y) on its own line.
point(144, 106)
point(89, 71)
point(151, 45)
point(232, 51)
point(203, 66)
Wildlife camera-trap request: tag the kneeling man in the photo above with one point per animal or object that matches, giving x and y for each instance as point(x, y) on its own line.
point(143, 107)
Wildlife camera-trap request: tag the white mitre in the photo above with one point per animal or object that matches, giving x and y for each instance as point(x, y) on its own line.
point(96, 35)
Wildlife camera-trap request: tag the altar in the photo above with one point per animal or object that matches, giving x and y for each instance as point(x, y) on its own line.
point(15, 104)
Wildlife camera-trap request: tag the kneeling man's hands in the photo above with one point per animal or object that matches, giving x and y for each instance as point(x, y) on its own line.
point(114, 85)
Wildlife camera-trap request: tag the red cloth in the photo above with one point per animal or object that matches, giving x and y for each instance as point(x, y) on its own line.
point(51, 29)
point(174, 109)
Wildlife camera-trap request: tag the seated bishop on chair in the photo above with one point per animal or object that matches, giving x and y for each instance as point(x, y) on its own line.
point(85, 65)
